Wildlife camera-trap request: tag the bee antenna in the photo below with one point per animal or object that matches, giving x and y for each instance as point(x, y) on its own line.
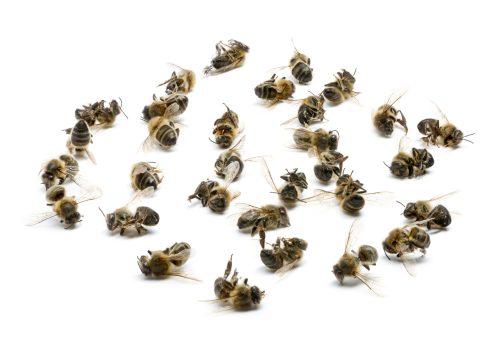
point(226, 107)
point(464, 138)
point(121, 109)
point(297, 51)
point(102, 212)
point(386, 165)
point(401, 203)
point(212, 140)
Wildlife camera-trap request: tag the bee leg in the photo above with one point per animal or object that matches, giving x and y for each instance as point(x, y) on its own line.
point(387, 256)
point(122, 231)
point(140, 229)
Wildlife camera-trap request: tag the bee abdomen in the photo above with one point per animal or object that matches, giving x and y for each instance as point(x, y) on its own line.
point(353, 204)
point(80, 135)
point(271, 260)
point(333, 94)
point(302, 72)
point(145, 180)
point(289, 192)
point(148, 216)
point(167, 135)
point(440, 217)
point(222, 288)
point(266, 92)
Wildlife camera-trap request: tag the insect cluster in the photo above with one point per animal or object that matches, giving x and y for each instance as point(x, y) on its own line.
point(406, 243)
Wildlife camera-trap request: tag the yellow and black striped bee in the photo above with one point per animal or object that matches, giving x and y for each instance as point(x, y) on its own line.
point(144, 175)
point(300, 66)
point(434, 217)
point(275, 90)
point(284, 254)
point(163, 263)
point(57, 170)
point(404, 165)
point(181, 82)
point(226, 128)
point(167, 107)
point(228, 57)
point(386, 116)
point(79, 139)
point(341, 89)
point(267, 217)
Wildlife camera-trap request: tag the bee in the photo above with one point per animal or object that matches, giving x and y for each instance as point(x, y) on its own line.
point(275, 90)
point(168, 107)
point(123, 217)
point(284, 254)
point(267, 217)
point(226, 128)
point(181, 82)
point(240, 296)
point(330, 163)
point(163, 263)
point(295, 184)
point(341, 89)
point(317, 141)
point(229, 56)
point(214, 195)
point(351, 261)
point(300, 66)
point(98, 114)
point(230, 161)
point(57, 170)
point(79, 139)
point(65, 207)
point(144, 175)
point(310, 111)
point(445, 134)
point(385, 117)
point(404, 165)
point(439, 217)
point(162, 132)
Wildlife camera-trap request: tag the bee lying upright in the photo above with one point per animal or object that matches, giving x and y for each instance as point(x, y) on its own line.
point(265, 218)
point(434, 217)
point(226, 128)
point(168, 107)
point(300, 66)
point(330, 163)
point(404, 165)
point(291, 191)
point(98, 114)
point(341, 89)
point(317, 141)
point(229, 56)
point(215, 195)
point(181, 82)
point(65, 207)
point(124, 218)
point(351, 261)
point(284, 255)
point(57, 170)
point(386, 116)
point(144, 175)
point(163, 263)
point(275, 90)
point(445, 134)
point(239, 296)
point(230, 161)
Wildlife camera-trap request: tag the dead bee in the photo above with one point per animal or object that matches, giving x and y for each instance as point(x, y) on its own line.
point(240, 296)
point(57, 170)
point(229, 56)
point(317, 141)
point(65, 207)
point(124, 218)
point(284, 254)
point(341, 89)
point(291, 191)
point(168, 107)
point(181, 82)
point(275, 90)
point(163, 132)
point(267, 217)
point(226, 128)
point(386, 116)
point(350, 262)
point(300, 66)
point(214, 195)
point(439, 217)
point(445, 134)
point(163, 263)
point(144, 175)
point(330, 163)
point(310, 111)
point(404, 165)
point(98, 114)
point(79, 139)
point(230, 161)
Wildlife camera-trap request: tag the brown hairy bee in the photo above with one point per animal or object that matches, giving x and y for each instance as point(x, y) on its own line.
point(65, 207)
point(275, 90)
point(341, 89)
point(404, 165)
point(436, 217)
point(163, 132)
point(144, 175)
point(226, 128)
point(181, 82)
point(98, 114)
point(295, 184)
point(445, 134)
point(229, 56)
point(265, 218)
point(310, 111)
point(167, 107)
point(330, 163)
point(79, 139)
point(163, 263)
point(386, 116)
point(300, 66)
point(214, 195)
point(57, 170)
point(316, 141)
point(124, 218)
point(240, 296)
point(351, 261)
point(230, 161)
point(284, 255)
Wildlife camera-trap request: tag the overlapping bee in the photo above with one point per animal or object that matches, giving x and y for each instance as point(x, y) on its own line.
point(317, 141)
point(386, 116)
point(79, 140)
point(124, 217)
point(300, 66)
point(350, 262)
point(284, 255)
point(341, 89)
point(180, 82)
point(228, 57)
point(163, 263)
point(144, 175)
point(230, 161)
point(64, 207)
point(265, 218)
point(275, 90)
point(330, 164)
point(99, 114)
point(226, 128)
point(238, 296)
point(215, 195)
point(168, 107)
point(434, 217)
point(310, 111)
point(58, 170)
point(349, 193)
point(444, 134)
point(404, 165)
point(291, 191)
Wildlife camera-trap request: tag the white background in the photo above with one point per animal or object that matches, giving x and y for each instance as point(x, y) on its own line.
point(82, 289)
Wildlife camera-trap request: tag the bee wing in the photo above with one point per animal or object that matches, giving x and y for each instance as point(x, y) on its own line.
point(139, 195)
point(40, 217)
point(267, 174)
point(381, 197)
point(238, 144)
point(282, 271)
point(442, 196)
point(289, 121)
point(417, 223)
point(320, 195)
point(409, 264)
point(404, 143)
point(352, 236)
point(90, 155)
point(441, 112)
point(370, 282)
point(139, 169)
point(183, 275)
point(171, 110)
point(91, 194)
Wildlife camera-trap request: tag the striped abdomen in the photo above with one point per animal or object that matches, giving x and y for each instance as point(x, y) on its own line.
point(302, 72)
point(270, 259)
point(166, 135)
point(266, 91)
point(145, 180)
point(80, 134)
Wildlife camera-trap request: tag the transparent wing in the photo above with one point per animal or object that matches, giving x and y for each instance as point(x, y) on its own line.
point(320, 196)
point(443, 196)
point(440, 112)
point(287, 268)
point(267, 174)
point(417, 223)
point(352, 236)
point(90, 194)
point(370, 282)
point(40, 217)
point(382, 197)
point(238, 144)
point(409, 264)
point(231, 172)
point(183, 275)
point(404, 143)
point(139, 195)
point(139, 169)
